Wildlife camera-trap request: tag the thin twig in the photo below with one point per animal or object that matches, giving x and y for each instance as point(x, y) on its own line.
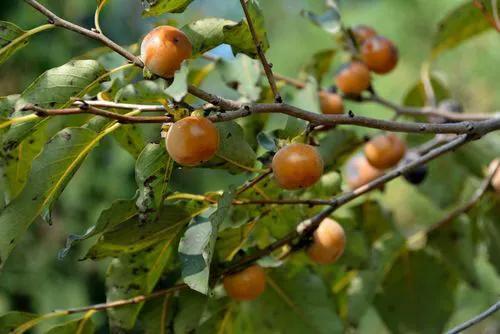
point(117, 105)
point(478, 194)
point(253, 182)
point(260, 52)
point(460, 328)
point(86, 109)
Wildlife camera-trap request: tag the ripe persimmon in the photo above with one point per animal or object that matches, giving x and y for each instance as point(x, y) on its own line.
point(297, 166)
point(164, 49)
point(247, 284)
point(192, 140)
point(363, 32)
point(353, 78)
point(385, 151)
point(328, 242)
point(379, 54)
point(331, 103)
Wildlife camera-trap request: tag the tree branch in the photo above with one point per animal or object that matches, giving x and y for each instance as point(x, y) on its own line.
point(494, 308)
point(466, 127)
point(87, 109)
point(260, 52)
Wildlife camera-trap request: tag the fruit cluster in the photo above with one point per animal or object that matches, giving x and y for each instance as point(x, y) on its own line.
point(194, 139)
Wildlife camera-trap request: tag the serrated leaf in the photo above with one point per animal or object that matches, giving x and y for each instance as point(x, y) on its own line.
point(197, 245)
point(159, 7)
point(9, 34)
point(329, 20)
point(461, 24)
point(54, 89)
point(80, 326)
point(417, 278)
point(152, 173)
point(11, 320)
point(287, 307)
point(132, 235)
point(133, 275)
point(119, 212)
point(234, 153)
point(208, 33)
point(242, 74)
point(415, 96)
point(51, 171)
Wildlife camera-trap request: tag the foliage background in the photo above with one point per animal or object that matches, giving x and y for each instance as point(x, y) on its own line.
point(35, 280)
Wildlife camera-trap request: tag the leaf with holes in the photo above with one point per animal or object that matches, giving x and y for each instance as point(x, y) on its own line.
point(196, 247)
point(159, 7)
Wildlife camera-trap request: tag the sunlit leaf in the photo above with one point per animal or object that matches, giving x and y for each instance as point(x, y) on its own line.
point(159, 7)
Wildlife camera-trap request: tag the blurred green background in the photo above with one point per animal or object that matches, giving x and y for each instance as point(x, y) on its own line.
point(35, 280)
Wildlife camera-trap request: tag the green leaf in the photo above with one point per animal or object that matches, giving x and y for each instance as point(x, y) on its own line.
point(51, 171)
point(11, 320)
point(242, 74)
point(329, 20)
point(294, 302)
point(476, 155)
point(417, 278)
point(337, 145)
point(156, 316)
point(133, 275)
point(119, 212)
point(196, 247)
point(363, 287)
point(145, 91)
point(415, 96)
point(9, 33)
point(178, 89)
point(464, 22)
point(131, 139)
point(159, 7)
point(152, 173)
point(234, 153)
point(191, 307)
point(455, 241)
point(7, 104)
point(132, 235)
point(208, 33)
point(54, 89)
point(306, 98)
point(320, 64)
point(491, 228)
point(80, 326)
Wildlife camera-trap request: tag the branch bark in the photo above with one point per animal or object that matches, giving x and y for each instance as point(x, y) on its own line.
point(480, 317)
